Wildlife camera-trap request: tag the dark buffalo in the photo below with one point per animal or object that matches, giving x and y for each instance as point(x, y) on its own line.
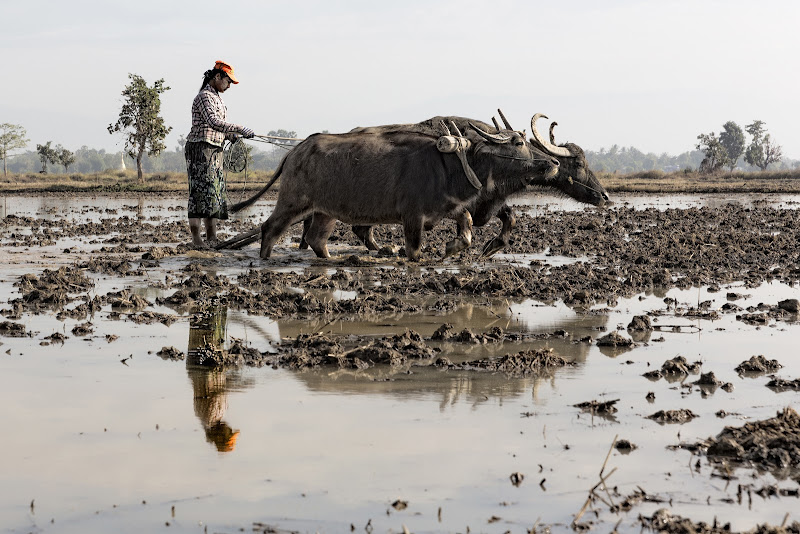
point(574, 179)
point(395, 176)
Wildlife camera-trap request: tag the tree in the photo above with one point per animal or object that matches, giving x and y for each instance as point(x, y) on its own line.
point(139, 119)
point(732, 138)
point(46, 155)
point(762, 150)
point(11, 138)
point(64, 157)
point(715, 154)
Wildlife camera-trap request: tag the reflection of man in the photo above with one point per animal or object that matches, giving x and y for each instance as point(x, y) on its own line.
point(207, 333)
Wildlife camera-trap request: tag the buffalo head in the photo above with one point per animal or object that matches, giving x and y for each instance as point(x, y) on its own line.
point(509, 144)
point(574, 177)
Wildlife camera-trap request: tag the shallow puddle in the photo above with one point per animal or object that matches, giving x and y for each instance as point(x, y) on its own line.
point(103, 434)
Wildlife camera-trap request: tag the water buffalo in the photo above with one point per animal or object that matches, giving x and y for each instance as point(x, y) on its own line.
point(574, 179)
point(394, 176)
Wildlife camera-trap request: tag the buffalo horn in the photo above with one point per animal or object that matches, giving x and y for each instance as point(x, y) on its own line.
point(508, 126)
point(552, 136)
point(500, 139)
point(444, 128)
point(455, 129)
point(552, 149)
point(496, 126)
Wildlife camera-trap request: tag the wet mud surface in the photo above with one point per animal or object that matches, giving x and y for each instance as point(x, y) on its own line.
point(604, 257)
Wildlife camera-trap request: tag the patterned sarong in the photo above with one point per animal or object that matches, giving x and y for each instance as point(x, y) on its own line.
point(208, 196)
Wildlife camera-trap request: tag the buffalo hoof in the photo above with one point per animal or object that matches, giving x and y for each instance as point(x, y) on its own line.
point(492, 247)
point(454, 247)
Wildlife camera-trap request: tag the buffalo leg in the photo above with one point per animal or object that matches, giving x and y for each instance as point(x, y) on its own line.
point(500, 241)
point(463, 238)
point(412, 229)
point(318, 232)
point(364, 233)
point(277, 223)
point(306, 226)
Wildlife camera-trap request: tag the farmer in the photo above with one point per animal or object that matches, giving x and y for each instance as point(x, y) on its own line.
point(208, 195)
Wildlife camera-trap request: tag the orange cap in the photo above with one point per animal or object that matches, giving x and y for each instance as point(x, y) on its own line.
point(227, 69)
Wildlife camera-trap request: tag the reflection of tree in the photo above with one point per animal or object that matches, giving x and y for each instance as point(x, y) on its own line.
point(207, 332)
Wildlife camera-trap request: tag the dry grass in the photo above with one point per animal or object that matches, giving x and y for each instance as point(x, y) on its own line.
point(692, 182)
point(115, 181)
point(642, 182)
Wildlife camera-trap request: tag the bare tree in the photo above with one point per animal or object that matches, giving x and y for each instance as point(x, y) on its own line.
point(11, 138)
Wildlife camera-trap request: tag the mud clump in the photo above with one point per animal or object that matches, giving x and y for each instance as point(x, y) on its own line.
point(52, 290)
point(757, 365)
point(614, 339)
point(83, 329)
point(210, 355)
point(595, 407)
point(709, 382)
point(673, 416)
point(523, 363)
point(664, 521)
point(625, 446)
point(315, 350)
point(170, 353)
point(770, 445)
point(394, 350)
point(446, 333)
point(677, 367)
point(781, 384)
point(9, 329)
point(640, 323)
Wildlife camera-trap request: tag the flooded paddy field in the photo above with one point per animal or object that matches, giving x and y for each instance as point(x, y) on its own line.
point(625, 368)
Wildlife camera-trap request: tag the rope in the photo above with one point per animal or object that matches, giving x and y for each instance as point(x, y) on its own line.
point(235, 154)
point(234, 158)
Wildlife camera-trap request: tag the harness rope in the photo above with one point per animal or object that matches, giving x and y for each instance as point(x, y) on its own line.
point(235, 154)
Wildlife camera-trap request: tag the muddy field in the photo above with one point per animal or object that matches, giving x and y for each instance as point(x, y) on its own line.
point(624, 368)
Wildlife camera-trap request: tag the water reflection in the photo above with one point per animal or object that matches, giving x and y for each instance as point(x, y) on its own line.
point(211, 383)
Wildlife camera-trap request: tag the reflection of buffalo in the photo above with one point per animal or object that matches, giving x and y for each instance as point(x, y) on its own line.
point(450, 386)
point(574, 179)
point(390, 176)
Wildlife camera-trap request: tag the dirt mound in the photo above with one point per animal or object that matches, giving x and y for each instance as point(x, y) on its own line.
point(674, 369)
point(664, 521)
point(52, 290)
point(757, 365)
point(523, 363)
point(9, 329)
point(673, 416)
point(781, 384)
point(601, 408)
point(709, 383)
point(770, 445)
point(446, 332)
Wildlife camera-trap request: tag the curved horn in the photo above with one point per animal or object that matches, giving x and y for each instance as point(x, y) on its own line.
point(455, 129)
point(553, 137)
point(494, 138)
point(552, 149)
point(508, 126)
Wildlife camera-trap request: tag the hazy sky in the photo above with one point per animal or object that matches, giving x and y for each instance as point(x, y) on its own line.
point(634, 73)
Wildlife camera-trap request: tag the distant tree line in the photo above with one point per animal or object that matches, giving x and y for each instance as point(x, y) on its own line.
point(90, 160)
point(626, 160)
point(144, 132)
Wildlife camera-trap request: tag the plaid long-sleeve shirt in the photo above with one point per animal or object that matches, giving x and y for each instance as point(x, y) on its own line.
point(208, 118)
